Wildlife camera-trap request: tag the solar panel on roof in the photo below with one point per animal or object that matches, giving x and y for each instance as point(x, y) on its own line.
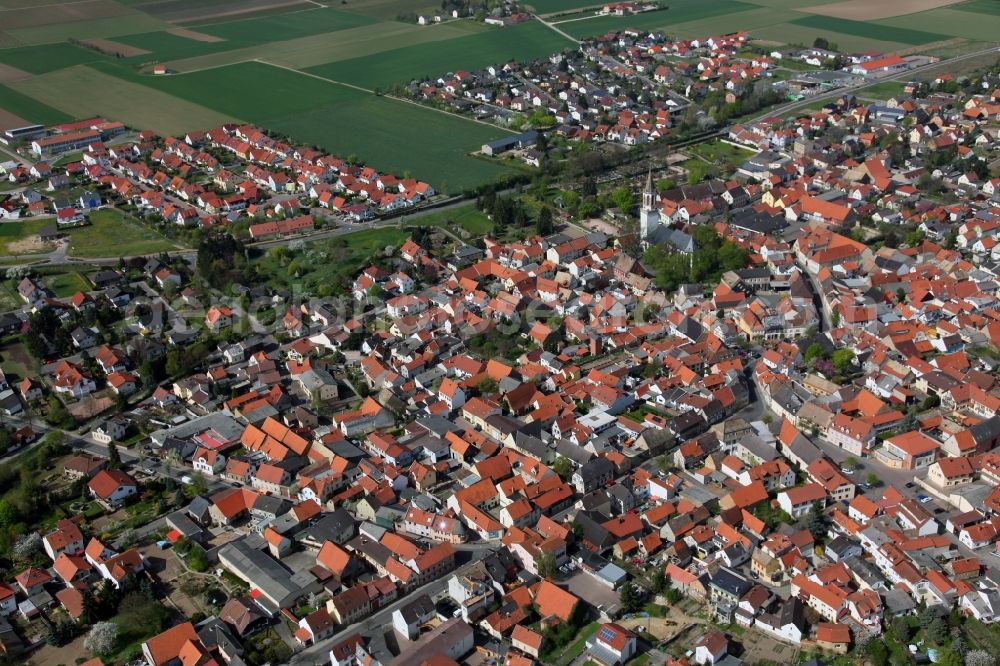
point(606, 634)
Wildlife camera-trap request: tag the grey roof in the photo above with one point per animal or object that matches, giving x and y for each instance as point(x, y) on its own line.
point(730, 581)
point(416, 609)
point(222, 423)
point(275, 581)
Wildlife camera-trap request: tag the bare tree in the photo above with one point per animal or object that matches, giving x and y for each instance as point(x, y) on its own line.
point(27, 545)
point(102, 639)
point(979, 658)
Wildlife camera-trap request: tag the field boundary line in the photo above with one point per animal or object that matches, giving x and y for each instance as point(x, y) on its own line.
point(392, 97)
point(51, 4)
point(552, 26)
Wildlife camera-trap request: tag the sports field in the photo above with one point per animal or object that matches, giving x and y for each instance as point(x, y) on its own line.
point(530, 40)
point(85, 91)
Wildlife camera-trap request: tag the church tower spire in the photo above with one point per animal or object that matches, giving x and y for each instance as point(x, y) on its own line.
point(649, 214)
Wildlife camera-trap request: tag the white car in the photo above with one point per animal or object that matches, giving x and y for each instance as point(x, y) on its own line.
point(187, 480)
point(847, 470)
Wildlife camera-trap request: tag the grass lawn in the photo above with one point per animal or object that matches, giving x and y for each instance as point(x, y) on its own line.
point(390, 135)
point(30, 109)
point(9, 298)
point(883, 90)
point(574, 649)
point(16, 361)
point(467, 217)
point(108, 234)
point(18, 230)
point(65, 285)
point(717, 151)
point(528, 41)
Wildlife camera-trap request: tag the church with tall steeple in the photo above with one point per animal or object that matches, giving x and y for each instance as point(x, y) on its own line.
point(649, 214)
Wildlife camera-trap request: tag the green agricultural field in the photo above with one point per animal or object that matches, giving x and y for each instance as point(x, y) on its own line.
point(82, 91)
point(531, 40)
point(869, 29)
point(30, 109)
point(979, 7)
point(683, 11)
point(389, 134)
point(290, 25)
point(189, 11)
point(388, 10)
point(555, 6)
point(750, 20)
point(985, 27)
point(109, 235)
point(164, 46)
point(49, 58)
point(97, 28)
point(792, 33)
point(320, 49)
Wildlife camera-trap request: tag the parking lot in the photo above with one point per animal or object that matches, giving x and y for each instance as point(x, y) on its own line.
point(590, 590)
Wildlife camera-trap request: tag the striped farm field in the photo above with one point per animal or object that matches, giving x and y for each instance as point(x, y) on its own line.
point(679, 12)
point(870, 30)
point(30, 109)
point(523, 42)
point(389, 134)
point(320, 49)
point(84, 91)
point(290, 25)
point(48, 58)
point(952, 21)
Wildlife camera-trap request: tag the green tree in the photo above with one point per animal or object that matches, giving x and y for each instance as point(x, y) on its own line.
point(659, 581)
point(843, 360)
point(543, 224)
point(936, 631)
point(546, 564)
point(563, 467)
point(816, 523)
point(629, 599)
point(487, 385)
point(623, 199)
point(114, 459)
point(901, 628)
point(872, 479)
point(813, 352)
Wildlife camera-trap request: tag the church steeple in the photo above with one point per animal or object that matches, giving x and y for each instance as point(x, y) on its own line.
point(648, 194)
point(649, 214)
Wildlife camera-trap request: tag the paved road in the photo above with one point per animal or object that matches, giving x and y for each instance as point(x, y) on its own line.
point(837, 92)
